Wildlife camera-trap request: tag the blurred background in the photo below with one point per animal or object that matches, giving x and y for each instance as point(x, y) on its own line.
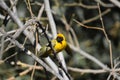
point(65, 12)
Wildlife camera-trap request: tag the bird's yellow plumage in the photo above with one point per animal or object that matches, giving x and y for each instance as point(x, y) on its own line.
point(58, 44)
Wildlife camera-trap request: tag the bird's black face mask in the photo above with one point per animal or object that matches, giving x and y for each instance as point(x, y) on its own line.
point(59, 39)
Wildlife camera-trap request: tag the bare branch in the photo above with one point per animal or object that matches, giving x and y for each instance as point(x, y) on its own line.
point(96, 17)
point(29, 7)
point(90, 57)
point(9, 32)
point(116, 2)
point(109, 42)
point(50, 17)
point(82, 5)
point(28, 66)
point(104, 4)
point(89, 27)
point(93, 71)
point(40, 12)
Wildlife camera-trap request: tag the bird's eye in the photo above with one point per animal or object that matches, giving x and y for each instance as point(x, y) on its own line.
point(59, 39)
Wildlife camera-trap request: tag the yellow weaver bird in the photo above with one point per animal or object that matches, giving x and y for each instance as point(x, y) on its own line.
point(58, 44)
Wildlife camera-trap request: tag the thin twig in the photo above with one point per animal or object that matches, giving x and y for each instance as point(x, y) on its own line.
point(37, 3)
point(9, 32)
point(10, 57)
point(36, 42)
point(2, 61)
point(24, 65)
point(82, 5)
point(109, 42)
point(20, 74)
point(13, 4)
point(89, 27)
point(96, 17)
point(93, 71)
point(10, 45)
point(69, 29)
point(29, 8)
point(40, 12)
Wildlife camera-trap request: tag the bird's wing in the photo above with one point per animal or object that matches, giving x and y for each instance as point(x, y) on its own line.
point(68, 50)
point(53, 42)
point(44, 51)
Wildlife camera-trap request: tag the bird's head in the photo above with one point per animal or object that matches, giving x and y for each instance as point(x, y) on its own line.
point(60, 37)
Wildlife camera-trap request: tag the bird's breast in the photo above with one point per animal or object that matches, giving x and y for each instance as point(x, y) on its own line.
point(60, 46)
